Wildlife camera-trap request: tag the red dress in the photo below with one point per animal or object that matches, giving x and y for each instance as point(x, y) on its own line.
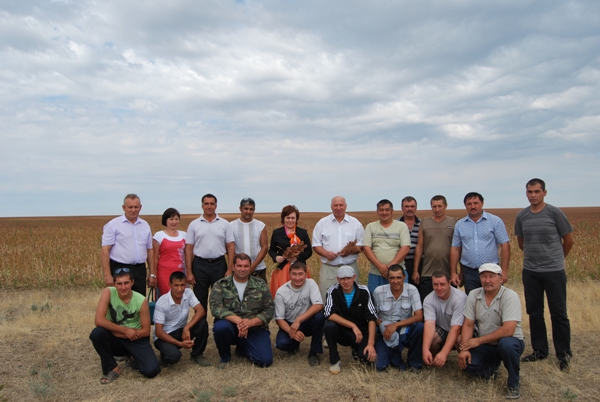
point(280, 276)
point(171, 258)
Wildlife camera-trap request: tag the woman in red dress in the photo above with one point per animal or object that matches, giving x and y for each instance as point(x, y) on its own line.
point(281, 239)
point(169, 250)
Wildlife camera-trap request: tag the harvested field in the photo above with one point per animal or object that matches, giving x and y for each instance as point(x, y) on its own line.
point(50, 283)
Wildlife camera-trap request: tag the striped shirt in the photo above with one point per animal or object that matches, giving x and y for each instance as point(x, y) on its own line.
point(414, 236)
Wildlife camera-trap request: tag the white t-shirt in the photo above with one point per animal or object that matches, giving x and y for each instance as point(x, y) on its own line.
point(291, 302)
point(247, 239)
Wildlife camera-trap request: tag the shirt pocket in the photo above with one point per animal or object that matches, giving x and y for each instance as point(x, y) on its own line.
point(405, 309)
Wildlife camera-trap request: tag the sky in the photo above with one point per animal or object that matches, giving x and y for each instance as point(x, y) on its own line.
point(294, 102)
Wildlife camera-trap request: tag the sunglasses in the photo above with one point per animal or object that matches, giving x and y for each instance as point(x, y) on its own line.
point(119, 270)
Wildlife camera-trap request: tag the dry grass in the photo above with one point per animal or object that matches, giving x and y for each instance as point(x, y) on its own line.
point(44, 344)
point(47, 354)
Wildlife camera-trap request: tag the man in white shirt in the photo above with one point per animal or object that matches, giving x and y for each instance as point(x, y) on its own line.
point(298, 313)
point(330, 236)
point(172, 329)
point(251, 238)
point(207, 240)
point(443, 309)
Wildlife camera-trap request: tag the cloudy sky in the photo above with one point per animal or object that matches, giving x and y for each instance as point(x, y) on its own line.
point(292, 101)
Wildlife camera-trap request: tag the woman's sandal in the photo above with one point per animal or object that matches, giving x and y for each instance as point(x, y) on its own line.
point(110, 377)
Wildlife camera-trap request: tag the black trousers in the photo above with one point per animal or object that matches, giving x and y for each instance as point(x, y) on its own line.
point(171, 354)
point(207, 272)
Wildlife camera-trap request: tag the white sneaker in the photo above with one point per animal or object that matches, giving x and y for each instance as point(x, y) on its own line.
point(335, 368)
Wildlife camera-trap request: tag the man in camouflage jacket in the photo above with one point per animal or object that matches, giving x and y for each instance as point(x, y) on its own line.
point(242, 307)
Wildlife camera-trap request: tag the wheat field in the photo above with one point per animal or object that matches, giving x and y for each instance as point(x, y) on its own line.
point(50, 283)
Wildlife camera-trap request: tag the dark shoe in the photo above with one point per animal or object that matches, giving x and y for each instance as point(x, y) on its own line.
point(132, 364)
point(535, 356)
point(222, 365)
point(354, 354)
point(564, 366)
point(295, 351)
point(110, 377)
point(201, 361)
point(313, 360)
point(513, 393)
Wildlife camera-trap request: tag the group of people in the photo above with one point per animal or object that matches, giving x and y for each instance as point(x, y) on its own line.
point(411, 300)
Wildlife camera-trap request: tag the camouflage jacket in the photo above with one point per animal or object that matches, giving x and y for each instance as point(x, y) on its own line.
point(257, 301)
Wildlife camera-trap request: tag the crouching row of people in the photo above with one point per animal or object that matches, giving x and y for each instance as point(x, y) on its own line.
point(377, 327)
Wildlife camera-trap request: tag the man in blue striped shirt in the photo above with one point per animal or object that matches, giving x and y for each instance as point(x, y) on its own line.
point(475, 242)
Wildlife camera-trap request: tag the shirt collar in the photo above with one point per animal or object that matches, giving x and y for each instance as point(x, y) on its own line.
point(484, 215)
point(388, 292)
point(343, 220)
point(183, 298)
point(124, 219)
point(417, 220)
point(217, 217)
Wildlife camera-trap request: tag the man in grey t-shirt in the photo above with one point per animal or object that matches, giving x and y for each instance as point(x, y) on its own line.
point(298, 313)
point(497, 312)
point(443, 310)
point(546, 237)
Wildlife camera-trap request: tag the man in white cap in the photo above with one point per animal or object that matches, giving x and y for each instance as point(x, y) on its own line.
point(351, 319)
point(497, 311)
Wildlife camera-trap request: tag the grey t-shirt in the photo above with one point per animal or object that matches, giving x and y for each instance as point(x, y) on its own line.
point(506, 306)
point(291, 302)
point(445, 313)
point(542, 234)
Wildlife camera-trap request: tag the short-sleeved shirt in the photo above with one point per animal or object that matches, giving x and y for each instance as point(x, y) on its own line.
point(437, 239)
point(542, 235)
point(386, 242)
point(172, 315)
point(209, 238)
point(333, 236)
point(479, 240)
point(506, 306)
point(445, 313)
point(130, 241)
point(291, 302)
point(247, 239)
point(125, 314)
point(414, 237)
point(393, 310)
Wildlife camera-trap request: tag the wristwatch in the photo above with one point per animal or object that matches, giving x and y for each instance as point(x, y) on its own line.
point(152, 276)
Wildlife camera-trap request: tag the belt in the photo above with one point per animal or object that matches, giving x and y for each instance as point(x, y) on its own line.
point(114, 263)
point(210, 260)
point(339, 265)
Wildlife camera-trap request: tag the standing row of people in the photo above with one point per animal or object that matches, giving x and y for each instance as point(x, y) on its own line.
point(339, 238)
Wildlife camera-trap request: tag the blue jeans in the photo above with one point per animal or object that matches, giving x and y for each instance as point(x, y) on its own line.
point(413, 340)
point(312, 327)
point(486, 358)
point(257, 346)
point(471, 279)
point(554, 284)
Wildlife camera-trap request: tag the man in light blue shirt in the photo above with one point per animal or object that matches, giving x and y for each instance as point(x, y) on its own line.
point(475, 242)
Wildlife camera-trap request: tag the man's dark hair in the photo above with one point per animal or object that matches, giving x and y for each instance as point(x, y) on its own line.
point(247, 201)
point(439, 198)
point(169, 213)
point(408, 198)
point(208, 196)
point(535, 181)
point(440, 274)
point(385, 202)
point(472, 194)
point(176, 276)
point(242, 257)
point(396, 267)
point(122, 271)
point(298, 265)
point(288, 210)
